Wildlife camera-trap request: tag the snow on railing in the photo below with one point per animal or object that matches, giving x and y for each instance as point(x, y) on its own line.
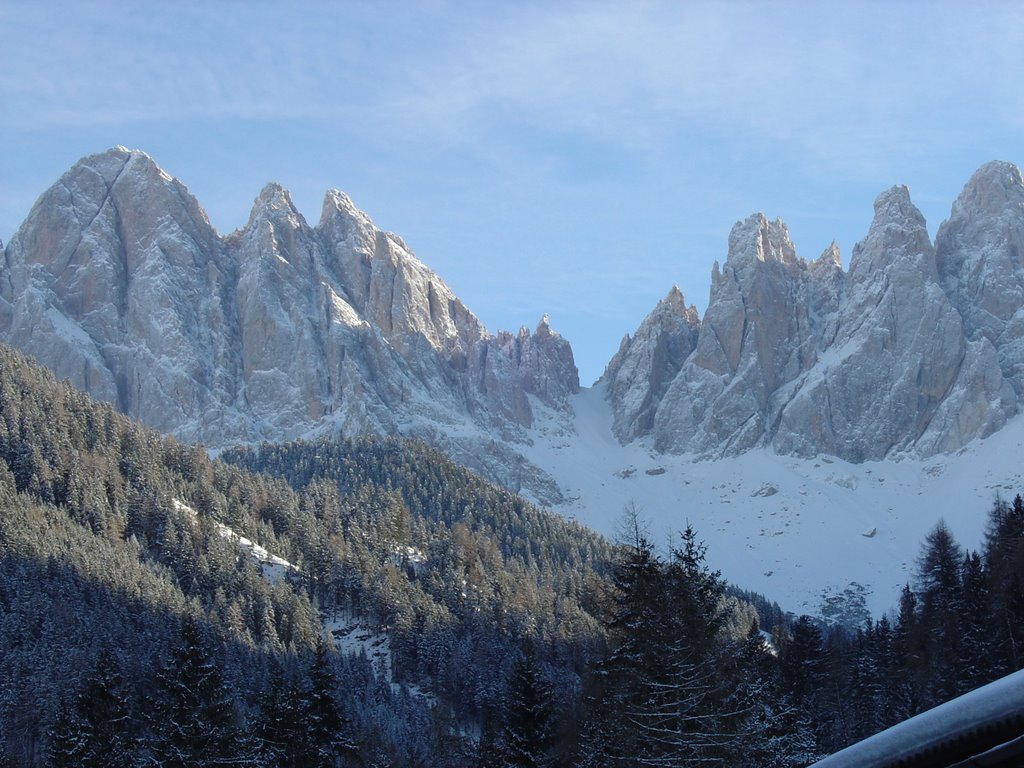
point(989, 721)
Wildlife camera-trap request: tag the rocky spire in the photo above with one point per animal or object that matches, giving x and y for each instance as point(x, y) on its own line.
point(756, 336)
point(980, 255)
point(638, 375)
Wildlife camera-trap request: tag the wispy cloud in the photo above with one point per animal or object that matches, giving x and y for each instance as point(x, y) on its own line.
point(602, 148)
point(837, 84)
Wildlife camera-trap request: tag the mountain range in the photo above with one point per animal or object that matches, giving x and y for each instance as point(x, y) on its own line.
point(119, 283)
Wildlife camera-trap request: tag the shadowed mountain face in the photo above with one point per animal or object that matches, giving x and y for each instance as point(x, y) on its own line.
point(118, 282)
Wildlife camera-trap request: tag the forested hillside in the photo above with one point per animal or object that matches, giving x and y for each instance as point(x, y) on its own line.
point(117, 580)
point(957, 626)
point(138, 628)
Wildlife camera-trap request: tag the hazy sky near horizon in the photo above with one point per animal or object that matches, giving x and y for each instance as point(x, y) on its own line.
point(569, 158)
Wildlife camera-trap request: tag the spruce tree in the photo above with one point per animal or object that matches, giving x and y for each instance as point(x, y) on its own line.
point(1004, 565)
point(527, 735)
point(637, 634)
point(325, 739)
point(941, 598)
point(97, 731)
point(280, 728)
point(196, 721)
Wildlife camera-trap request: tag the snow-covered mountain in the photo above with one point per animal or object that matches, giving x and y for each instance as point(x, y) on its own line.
point(118, 282)
point(820, 405)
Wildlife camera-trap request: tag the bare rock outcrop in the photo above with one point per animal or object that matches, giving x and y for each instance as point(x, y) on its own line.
point(756, 335)
point(917, 349)
point(647, 362)
point(979, 252)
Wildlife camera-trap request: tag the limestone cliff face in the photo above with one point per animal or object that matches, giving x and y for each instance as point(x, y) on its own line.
point(979, 252)
point(118, 282)
point(916, 349)
point(757, 334)
point(647, 362)
point(900, 373)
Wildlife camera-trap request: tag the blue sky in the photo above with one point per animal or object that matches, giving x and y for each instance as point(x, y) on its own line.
point(576, 159)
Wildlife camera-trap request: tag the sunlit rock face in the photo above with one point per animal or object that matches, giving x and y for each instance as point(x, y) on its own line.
point(757, 335)
point(641, 371)
point(119, 283)
point(917, 349)
point(282, 329)
point(900, 373)
point(979, 252)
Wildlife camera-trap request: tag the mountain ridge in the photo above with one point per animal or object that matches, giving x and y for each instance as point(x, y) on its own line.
point(279, 329)
point(845, 391)
point(880, 360)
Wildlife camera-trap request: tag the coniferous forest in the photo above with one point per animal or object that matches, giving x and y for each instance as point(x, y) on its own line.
point(138, 629)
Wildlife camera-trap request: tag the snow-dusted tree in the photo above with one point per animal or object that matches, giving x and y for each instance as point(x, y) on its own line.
point(527, 735)
point(96, 732)
point(638, 633)
point(279, 727)
point(685, 715)
point(196, 721)
point(1004, 564)
point(325, 739)
point(676, 688)
point(941, 601)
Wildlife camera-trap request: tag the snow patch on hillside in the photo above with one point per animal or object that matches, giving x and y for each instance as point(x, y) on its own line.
point(355, 636)
point(273, 566)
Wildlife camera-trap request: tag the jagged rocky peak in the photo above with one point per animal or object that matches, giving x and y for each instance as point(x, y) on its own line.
point(898, 231)
point(276, 232)
point(343, 226)
point(638, 375)
point(861, 365)
point(274, 202)
point(385, 282)
point(900, 374)
point(118, 282)
point(758, 239)
point(757, 334)
point(751, 300)
point(827, 288)
point(829, 259)
point(994, 189)
point(71, 222)
point(509, 367)
point(89, 276)
point(554, 373)
point(979, 251)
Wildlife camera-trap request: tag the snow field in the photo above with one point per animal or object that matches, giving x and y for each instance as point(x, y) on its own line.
point(793, 529)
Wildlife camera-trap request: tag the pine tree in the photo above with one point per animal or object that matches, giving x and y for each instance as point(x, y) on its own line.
point(941, 599)
point(325, 740)
point(280, 730)
point(685, 716)
point(638, 634)
point(66, 745)
point(804, 678)
point(978, 661)
point(96, 732)
point(527, 735)
point(1004, 566)
point(196, 722)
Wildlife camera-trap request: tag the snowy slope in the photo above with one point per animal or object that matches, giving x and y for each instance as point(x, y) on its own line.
point(790, 528)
